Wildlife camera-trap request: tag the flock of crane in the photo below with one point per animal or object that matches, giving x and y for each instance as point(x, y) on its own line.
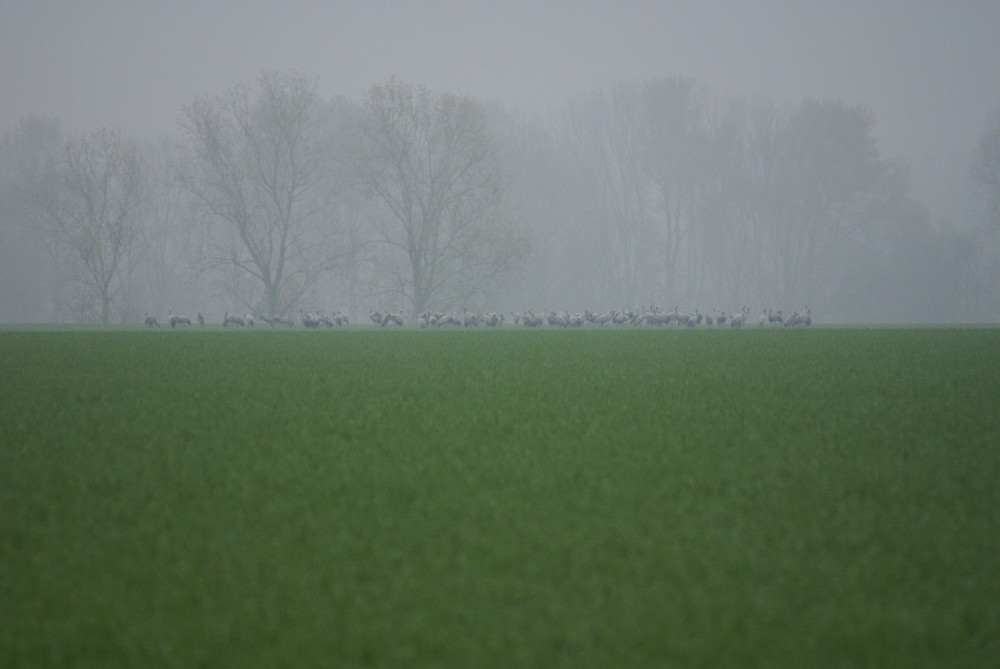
point(644, 316)
point(648, 316)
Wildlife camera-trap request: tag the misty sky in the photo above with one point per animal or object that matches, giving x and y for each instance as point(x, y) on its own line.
point(929, 70)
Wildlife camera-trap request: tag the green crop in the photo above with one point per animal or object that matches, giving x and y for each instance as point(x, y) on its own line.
point(506, 498)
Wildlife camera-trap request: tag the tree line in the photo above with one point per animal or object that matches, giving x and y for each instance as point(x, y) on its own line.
point(270, 199)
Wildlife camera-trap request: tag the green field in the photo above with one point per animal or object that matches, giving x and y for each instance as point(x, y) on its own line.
point(508, 498)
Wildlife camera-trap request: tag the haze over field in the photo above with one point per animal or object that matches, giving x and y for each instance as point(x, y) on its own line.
point(928, 71)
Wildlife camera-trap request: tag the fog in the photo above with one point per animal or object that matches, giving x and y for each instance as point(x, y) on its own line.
point(928, 71)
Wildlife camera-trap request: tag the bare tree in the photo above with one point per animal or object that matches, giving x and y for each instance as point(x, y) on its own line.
point(169, 239)
point(259, 163)
point(839, 185)
point(551, 200)
point(607, 131)
point(675, 139)
point(769, 199)
point(95, 211)
point(434, 162)
point(724, 209)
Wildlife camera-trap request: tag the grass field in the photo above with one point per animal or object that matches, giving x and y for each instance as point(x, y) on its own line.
point(509, 498)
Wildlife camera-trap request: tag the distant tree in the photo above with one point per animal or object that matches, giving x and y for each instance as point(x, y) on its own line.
point(434, 163)
point(170, 240)
point(986, 170)
point(258, 163)
point(95, 210)
point(725, 234)
point(550, 198)
point(675, 141)
point(836, 184)
point(702, 197)
point(607, 130)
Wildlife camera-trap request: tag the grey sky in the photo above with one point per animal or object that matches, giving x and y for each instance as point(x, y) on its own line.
point(929, 70)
